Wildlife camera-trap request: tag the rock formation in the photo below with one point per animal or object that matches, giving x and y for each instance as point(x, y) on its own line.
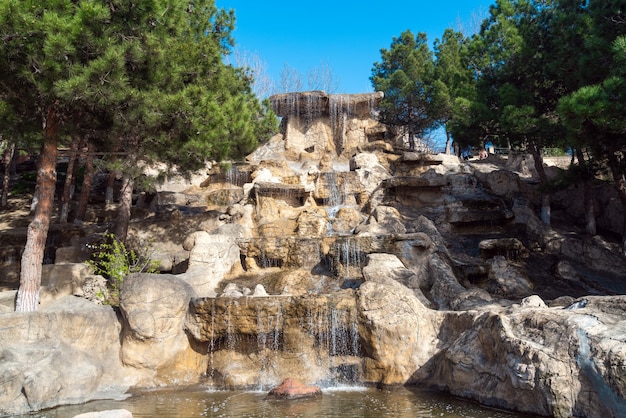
point(333, 249)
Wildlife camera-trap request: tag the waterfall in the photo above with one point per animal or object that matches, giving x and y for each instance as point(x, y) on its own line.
point(348, 257)
point(314, 338)
point(338, 116)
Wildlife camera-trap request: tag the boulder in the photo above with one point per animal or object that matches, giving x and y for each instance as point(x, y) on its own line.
point(60, 280)
point(294, 389)
point(154, 341)
point(545, 361)
point(507, 280)
point(211, 257)
point(66, 352)
point(383, 267)
point(398, 333)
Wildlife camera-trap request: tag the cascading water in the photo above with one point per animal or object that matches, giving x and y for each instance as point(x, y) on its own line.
point(349, 257)
point(313, 337)
point(255, 342)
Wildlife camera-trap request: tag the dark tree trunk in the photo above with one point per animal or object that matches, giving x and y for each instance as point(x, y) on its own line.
point(7, 159)
point(411, 138)
point(32, 257)
point(620, 185)
point(543, 178)
point(86, 188)
point(588, 195)
point(590, 216)
point(126, 201)
point(109, 193)
point(69, 181)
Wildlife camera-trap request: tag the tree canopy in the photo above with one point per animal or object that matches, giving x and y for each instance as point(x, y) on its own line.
point(406, 75)
point(539, 74)
point(146, 76)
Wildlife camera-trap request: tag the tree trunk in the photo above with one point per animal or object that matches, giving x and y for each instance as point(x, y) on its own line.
point(108, 194)
point(543, 178)
point(69, 181)
point(411, 138)
point(448, 141)
point(7, 158)
point(590, 216)
point(86, 189)
point(588, 196)
point(620, 186)
point(126, 201)
point(32, 257)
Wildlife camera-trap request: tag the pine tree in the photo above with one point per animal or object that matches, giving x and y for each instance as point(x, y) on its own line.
point(148, 76)
point(405, 74)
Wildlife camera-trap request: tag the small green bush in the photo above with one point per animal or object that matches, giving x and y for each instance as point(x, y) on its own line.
point(114, 261)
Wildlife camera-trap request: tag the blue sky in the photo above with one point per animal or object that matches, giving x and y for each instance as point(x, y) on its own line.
point(343, 36)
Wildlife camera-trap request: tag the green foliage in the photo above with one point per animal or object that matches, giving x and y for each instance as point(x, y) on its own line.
point(406, 75)
point(114, 261)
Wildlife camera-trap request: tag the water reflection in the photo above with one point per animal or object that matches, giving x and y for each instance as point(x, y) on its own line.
point(340, 402)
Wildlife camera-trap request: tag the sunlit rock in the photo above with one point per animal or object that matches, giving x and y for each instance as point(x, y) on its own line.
point(294, 389)
point(154, 308)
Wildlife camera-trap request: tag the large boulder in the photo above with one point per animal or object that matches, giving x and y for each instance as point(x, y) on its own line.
point(67, 352)
point(546, 361)
point(399, 334)
point(154, 341)
point(383, 267)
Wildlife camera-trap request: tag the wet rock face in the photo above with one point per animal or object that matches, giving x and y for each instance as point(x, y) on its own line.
point(316, 124)
point(256, 341)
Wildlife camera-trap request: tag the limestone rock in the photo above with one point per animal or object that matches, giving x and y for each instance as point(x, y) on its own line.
point(154, 308)
point(506, 280)
point(60, 280)
point(259, 291)
point(282, 331)
point(399, 333)
point(72, 254)
point(533, 301)
point(552, 362)
point(294, 389)
point(510, 248)
point(345, 220)
point(312, 222)
point(211, 257)
point(370, 173)
point(67, 352)
point(382, 268)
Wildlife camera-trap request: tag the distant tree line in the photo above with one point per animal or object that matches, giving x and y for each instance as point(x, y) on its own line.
point(141, 81)
point(538, 74)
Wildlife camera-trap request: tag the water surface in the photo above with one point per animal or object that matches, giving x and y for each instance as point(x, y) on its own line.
point(339, 402)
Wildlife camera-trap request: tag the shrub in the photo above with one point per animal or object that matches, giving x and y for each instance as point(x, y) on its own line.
point(114, 261)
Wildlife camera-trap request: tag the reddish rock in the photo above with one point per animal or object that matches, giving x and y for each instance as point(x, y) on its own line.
point(294, 389)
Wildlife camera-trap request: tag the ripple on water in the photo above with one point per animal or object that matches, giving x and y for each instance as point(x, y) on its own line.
point(348, 401)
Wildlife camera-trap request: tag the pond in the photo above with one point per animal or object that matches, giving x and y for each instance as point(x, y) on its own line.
point(335, 402)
